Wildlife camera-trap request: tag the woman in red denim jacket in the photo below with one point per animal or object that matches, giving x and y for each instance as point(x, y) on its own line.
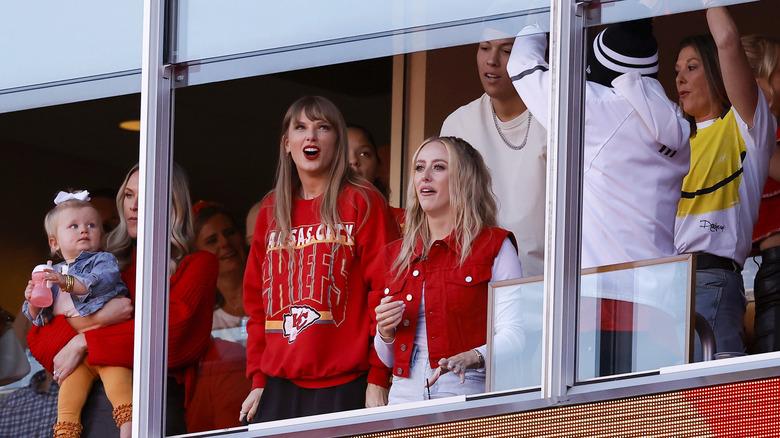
point(432, 318)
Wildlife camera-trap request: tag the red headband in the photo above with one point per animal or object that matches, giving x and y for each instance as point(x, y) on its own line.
point(201, 204)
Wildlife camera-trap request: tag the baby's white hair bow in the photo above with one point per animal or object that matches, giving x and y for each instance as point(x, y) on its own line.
point(65, 196)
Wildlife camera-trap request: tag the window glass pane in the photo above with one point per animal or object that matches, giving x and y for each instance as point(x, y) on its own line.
point(233, 128)
point(615, 181)
point(208, 29)
point(510, 367)
point(634, 147)
point(49, 41)
point(74, 146)
point(229, 150)
point(634, 319)
point(443, 78)
point(227, 139)
point(626, 10)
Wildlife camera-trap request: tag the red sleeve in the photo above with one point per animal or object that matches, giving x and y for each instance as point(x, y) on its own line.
point(380, 229)
point(378, 373)
point(111, 345)
point(253, 297)
point(189, 319)
point(45, 342)
point(191, 307)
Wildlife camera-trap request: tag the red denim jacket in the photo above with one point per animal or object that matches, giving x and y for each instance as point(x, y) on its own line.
point(455, 297)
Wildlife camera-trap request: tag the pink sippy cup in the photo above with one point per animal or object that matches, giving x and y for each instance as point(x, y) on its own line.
point(41, 293)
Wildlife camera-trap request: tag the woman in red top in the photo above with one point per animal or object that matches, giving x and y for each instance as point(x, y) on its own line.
point(433, 317)
point(193, 283)
point(315, 255)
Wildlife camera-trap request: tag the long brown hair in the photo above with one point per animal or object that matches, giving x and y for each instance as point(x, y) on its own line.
point(288, 181)
point(705, 47)
point(472, 202)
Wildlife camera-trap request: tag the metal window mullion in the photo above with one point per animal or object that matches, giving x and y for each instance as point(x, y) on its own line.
point(564, 197)
point(153, 247)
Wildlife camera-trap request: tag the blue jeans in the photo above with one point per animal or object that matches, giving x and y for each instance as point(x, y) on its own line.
point(412, 388)
point(720, 298)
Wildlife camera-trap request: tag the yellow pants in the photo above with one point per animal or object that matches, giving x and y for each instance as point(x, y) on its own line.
point(74, 389)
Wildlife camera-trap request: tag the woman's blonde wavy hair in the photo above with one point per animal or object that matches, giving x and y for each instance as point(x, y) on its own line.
point(763, 54)
point(119, 242)
point(288, 183)
point(472, 202)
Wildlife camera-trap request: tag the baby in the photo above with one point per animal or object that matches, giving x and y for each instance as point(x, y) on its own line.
point(81, 285)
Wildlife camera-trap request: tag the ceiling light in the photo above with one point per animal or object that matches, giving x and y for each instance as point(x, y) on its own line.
point(131, 125)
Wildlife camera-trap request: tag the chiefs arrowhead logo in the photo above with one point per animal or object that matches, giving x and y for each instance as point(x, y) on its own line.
point(297, 320)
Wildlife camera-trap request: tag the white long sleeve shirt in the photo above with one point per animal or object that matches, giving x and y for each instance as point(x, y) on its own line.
point(636, 154)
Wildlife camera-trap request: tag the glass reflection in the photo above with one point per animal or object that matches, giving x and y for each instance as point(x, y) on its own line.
point(515, 368)
point(392, 27)
point(634, 318)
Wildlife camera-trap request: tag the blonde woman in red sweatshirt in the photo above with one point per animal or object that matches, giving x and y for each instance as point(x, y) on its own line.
point(315, 255)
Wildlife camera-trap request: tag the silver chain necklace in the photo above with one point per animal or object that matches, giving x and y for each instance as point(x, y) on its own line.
point(501, 133)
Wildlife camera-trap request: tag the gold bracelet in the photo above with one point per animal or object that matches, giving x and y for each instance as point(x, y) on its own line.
point(386, 340)
point(69, 283)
